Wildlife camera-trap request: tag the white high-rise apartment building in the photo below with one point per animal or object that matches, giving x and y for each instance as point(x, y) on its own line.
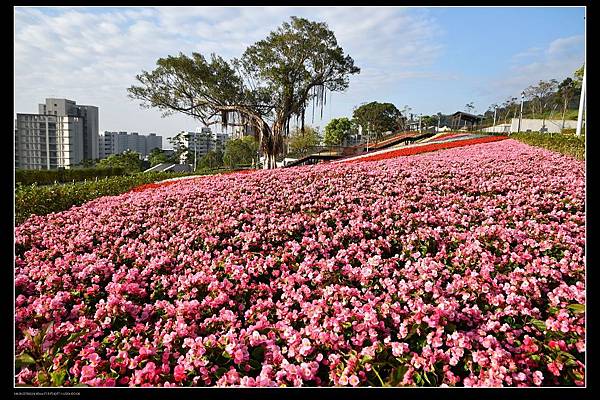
point(62, 135)
point(48, 141)
point(118, 142)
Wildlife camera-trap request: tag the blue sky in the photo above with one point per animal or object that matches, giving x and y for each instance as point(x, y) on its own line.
point(430, 59)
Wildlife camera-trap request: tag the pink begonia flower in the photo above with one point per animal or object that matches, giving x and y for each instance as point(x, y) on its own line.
point(293, 277)
point(538, 377)
point(179, 373)
point(87, 373)
point(555, 367)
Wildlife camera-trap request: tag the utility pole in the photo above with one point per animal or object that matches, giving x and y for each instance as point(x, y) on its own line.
point(581, 105)
point(495, 108)
point(521, 113)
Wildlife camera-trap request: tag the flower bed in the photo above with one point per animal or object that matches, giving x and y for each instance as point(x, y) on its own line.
point(448, 136)
point(409, 151)
point(460, 267)
point(155, 185)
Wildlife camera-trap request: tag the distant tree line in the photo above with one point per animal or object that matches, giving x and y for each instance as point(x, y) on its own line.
point(545, 99)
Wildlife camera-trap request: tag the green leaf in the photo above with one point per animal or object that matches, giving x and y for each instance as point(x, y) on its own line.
point(571, 363)
point(541, 325)
point(426, 377)
point(398, 375)
point(576, 308)
point(42, 378)
point(258, 353)
point(418, 379)
point(58, 377)
point(254, 364)
point(220, 372)
point(38, 339)
point(24, 359)
point(567, 355)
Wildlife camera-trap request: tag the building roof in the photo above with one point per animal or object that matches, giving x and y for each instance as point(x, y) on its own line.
point(465, 115)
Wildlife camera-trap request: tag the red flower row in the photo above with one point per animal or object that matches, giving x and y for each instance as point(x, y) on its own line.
point(161, 184)
point(427, 148)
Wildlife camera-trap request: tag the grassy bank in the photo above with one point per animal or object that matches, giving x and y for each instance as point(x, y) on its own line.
point(565, 144)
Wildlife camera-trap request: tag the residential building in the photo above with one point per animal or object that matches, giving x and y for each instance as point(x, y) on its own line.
point(119, 142)
point(240, 131)
point(61, 135)
point(204, 140)
point(153, 141)
point(64, 107)
point(48, 141)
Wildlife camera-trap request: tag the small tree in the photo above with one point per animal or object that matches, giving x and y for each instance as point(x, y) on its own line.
point(428, 121)
point(180, 147)
point(157, 156)
point(240, 152)
point(274, 81)
point(129, 160)
point(542, 94)
point(378, 118)
point(566, 91)
point(469, 107)
point(300, 142)
point(578, 77)
point(336, 131)
point(212, 159)
point(88, 163)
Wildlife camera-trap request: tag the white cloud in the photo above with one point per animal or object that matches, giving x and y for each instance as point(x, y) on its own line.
point(557, 60)
point(93, 55)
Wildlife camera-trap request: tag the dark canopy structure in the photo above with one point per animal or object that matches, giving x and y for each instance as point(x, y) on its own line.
point(462, 119)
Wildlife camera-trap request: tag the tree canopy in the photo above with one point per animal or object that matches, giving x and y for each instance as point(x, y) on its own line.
point(300, 142)
point(378, 118)
point(239, 152)
point(181, 148)
point(158, 156)
point(337, 130)
point(274, 81)
point(129, 160)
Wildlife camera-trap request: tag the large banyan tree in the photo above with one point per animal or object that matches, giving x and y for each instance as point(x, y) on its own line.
point(274, 82)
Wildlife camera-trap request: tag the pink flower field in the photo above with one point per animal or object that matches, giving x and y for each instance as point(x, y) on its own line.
point(462, 267)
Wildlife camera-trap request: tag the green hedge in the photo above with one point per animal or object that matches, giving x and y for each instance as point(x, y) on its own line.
point(47, 177)
point(42, 200)
point(566, 144)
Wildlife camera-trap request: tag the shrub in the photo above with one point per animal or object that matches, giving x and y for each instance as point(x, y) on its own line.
point(42, 200)
point(47, 177)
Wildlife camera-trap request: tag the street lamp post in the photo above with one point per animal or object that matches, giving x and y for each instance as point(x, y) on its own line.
point(581, 105)
point(521, 112)
point(195, 150)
